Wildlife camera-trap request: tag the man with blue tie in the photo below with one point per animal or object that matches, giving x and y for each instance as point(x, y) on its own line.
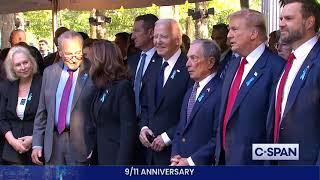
point(294, 111)
point(63, 130)
point(194, 140)
point(246, 90)
point(142, 35)
point(167, 85)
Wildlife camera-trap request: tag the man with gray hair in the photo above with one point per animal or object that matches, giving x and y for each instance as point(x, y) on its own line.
point(63, 131)
point(194, 139)
point(246, 90)
point(169, 81)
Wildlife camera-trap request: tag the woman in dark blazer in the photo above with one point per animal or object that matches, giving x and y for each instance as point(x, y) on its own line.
point(18, 106)
point(113, 108)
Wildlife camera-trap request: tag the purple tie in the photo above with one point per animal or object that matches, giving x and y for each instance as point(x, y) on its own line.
point(64, 103)
point(192, 100)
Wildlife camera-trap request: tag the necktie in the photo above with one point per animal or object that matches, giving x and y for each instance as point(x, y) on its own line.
point(137, 82)
point(64, 104)
point(160, 81)
point(233, 92)
point(192, 99)
point(280, 96)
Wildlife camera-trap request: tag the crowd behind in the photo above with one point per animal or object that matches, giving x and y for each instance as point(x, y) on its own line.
point(153, 98)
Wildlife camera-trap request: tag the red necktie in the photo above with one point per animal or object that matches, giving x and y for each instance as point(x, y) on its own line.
point(233, 92)
point(280, 96)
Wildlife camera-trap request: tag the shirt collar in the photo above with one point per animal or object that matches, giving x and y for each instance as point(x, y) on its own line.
point(173, 59)
point(205, 81)
point(255, 54)
point(302, 51)
point(150, 52)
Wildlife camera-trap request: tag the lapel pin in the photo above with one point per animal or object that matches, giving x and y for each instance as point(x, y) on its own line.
point(304, 73)
point(255, 74)
point(84, 76)
point(153, 60)
point(178, 70)
point(208, 89)
point(200, 97)
point(30, 96)
point(173, 74)
point(249, 81)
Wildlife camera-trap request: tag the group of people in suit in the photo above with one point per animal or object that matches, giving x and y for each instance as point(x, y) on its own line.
point(167, 107)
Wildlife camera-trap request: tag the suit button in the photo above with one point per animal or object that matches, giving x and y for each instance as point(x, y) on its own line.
point(183, 140)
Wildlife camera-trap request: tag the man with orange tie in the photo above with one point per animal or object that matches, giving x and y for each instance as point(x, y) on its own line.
point(294, 112)
point(246, 91)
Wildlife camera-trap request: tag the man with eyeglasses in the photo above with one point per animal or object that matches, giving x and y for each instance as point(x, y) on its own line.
point(62, 128)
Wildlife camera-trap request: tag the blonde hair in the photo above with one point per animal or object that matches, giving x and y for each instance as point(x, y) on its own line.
point(254, 19)
point(8, 63)
point(174, 27)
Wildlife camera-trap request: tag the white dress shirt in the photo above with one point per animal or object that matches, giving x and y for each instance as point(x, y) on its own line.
point(300, 53)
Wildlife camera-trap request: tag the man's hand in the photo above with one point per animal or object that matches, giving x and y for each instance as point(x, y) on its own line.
point(26, 141)
point(158, 144)
point(36, 154)
point(175, 160)
point(183, 162)
point(143, 137)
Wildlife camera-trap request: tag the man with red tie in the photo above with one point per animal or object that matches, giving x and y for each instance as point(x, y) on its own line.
point(294, 112)
point(246, 90)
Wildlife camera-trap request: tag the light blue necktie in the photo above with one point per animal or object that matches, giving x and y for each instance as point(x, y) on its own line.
point(137, 83)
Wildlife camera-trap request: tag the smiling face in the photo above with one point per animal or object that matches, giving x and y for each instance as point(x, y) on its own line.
point(166, 40)
point(22, 65)
point(71, 53)
point(199, 67)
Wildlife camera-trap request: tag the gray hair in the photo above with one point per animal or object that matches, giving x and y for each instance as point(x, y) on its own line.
point(174, 27)
point(210, 49)
point(253, 19)
point(69, 35)
point(8, 63)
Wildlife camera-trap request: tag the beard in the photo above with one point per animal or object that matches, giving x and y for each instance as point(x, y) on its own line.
point(293, 35)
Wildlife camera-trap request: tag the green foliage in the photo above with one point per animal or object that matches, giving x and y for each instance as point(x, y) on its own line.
point(40, 23)
point(75, 20)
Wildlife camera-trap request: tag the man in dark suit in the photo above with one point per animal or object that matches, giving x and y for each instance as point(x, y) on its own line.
point(246, 90)
point(63, 130)
point(142, 36)
point(294, 111)
point(194, 140)
point(169, 82)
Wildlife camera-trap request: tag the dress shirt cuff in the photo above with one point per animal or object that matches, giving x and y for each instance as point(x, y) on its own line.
point(34, 147)
point(144, 127)
point(190, 161)
point(166, 138)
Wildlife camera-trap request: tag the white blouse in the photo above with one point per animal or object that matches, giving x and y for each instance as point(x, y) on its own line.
point(21, 106)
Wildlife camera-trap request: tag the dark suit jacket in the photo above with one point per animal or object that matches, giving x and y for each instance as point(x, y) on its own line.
point(9, 121)
point(164, 117)
point(300, 123)
point(197, 137)
point(115, 119)
point(247, 121)
point(82, 132)
point(224, 64)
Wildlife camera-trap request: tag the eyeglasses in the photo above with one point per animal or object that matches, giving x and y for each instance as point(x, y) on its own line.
point(77, 56)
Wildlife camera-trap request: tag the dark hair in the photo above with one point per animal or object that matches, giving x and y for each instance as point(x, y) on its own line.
point(149, 20)
point(107, 64)
point(44, 41)
point(124, 36)
point(84, 35)
point(221, 26)
point(57, 33)
point(308, 8)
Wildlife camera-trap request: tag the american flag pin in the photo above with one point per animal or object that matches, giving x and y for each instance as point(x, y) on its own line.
point(255, 74)
point(208, 89)
point(153, 60)
point(178, 70)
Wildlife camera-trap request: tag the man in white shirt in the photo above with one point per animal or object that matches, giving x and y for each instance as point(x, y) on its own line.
point(194, 140)
point(169, 82)
point(294, 111)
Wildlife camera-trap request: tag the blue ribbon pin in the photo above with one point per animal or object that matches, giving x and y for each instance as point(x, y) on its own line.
point(84, 76)
point(30, 96)
point(103, 97)
point(304, 73)
point(200, 97)
point(173, 74)
point(249, 81)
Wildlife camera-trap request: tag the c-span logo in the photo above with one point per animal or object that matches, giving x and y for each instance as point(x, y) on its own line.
point(275, 151)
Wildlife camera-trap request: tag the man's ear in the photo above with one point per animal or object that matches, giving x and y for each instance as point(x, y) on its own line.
point(254, 34)
point(211, 62)
point(310, 22)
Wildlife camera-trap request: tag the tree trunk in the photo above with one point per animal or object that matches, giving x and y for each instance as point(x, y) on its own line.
point(6, 25)
point(19, 21)
point(93, 29)
point(244, 4)
point(201, 25)
point(189, 27)
point(101, 29)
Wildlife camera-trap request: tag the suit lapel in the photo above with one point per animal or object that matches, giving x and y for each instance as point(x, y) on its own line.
point(204, 94)
point(254, 74)
point(81, 81)
point(173, 78)
point(103, 98)
point(301, 78)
